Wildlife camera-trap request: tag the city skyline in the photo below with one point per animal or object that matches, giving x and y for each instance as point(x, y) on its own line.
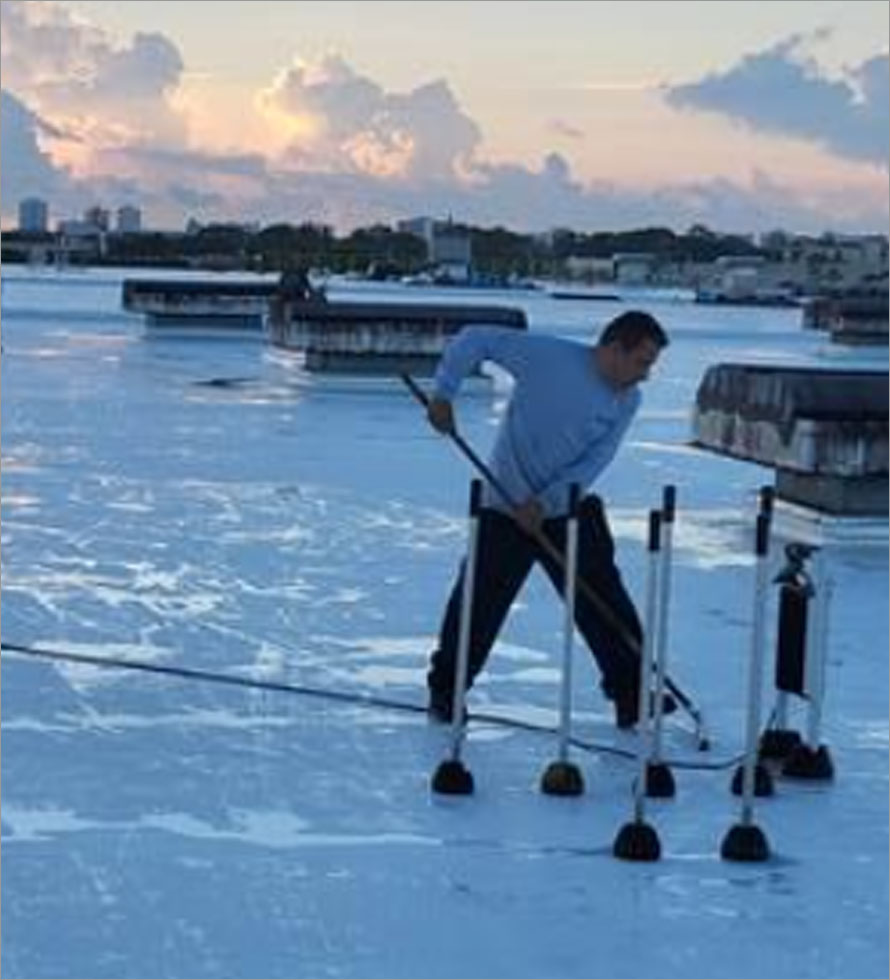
point(741, 116)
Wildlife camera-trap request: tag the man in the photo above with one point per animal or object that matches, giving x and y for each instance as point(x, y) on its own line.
point(570, 408)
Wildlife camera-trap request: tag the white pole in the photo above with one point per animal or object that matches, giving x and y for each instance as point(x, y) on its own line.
point(668, 510)
point(782, 710)
point(644, 747)
point(817, 646)
point(463, 638)
point(755, 676)
point(570, 588)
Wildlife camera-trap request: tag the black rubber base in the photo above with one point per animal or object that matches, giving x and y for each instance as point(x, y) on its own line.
point(745, 842)
point(452, 778)
point(660, 781)
point(807, 763)
point(763, 781)
point(637, 841)
point(778, 743)
point(562, 779)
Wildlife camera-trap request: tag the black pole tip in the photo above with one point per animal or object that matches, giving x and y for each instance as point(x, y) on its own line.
point(475, 497)
point(562, 779)
point(668, 503)
point(761, 544)
point(637, 841)
point(452, 778)
point(745, 842)
point(660, 783)
point(654, 530)
point(574, 499)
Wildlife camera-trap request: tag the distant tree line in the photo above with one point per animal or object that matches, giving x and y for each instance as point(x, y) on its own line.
point(382, 251)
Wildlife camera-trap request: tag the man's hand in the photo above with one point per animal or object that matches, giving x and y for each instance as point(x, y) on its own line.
point(529, 515)
point(441, 416)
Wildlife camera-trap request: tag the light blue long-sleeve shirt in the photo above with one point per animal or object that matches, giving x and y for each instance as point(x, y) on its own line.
point(564, 421)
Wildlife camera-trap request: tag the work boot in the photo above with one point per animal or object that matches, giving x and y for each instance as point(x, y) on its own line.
point(627, 707)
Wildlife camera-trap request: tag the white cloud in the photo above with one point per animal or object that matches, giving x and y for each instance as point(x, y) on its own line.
point(343, 121)
point(42, 41)
point(25, 167)
point(779, 91)
point(534, 200)
point(73, 73)
point(248, 187)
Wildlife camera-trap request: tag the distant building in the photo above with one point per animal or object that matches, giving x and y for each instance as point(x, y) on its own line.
point(82, 237)
point(452, 252)
point(814, 265)
point(421, 227)
point(98, 218)
point(33, 215)
point(739, 276)
point(449, 248)
point(633, 268)
point(75, 228)
point(129, 219)
point(86, 236)
point(590, 268)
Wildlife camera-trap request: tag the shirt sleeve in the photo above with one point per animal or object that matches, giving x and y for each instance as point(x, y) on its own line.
point(470, 347)
point(586, 468)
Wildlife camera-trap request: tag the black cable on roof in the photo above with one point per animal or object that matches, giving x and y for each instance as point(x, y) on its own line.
point(347, 697)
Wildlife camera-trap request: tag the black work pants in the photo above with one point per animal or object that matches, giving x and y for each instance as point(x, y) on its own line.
point(504, 557)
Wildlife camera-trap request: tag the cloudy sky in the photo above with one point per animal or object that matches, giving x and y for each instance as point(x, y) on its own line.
point(744, 116)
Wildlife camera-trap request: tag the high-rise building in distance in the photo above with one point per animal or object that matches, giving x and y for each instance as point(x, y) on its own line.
point(33, 214)
point(129, 219)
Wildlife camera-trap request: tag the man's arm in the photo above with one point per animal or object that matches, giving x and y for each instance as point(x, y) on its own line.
point(470, 347)
point(463, 355)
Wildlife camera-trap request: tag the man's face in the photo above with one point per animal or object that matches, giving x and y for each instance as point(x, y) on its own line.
point(630, 366)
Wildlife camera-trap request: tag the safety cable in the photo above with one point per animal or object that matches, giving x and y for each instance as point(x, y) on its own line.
point(348, 697)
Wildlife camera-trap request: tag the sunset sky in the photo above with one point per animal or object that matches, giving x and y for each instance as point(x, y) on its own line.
point(744, 116)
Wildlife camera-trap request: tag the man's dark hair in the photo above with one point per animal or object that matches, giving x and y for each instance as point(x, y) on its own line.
point(632, 328)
